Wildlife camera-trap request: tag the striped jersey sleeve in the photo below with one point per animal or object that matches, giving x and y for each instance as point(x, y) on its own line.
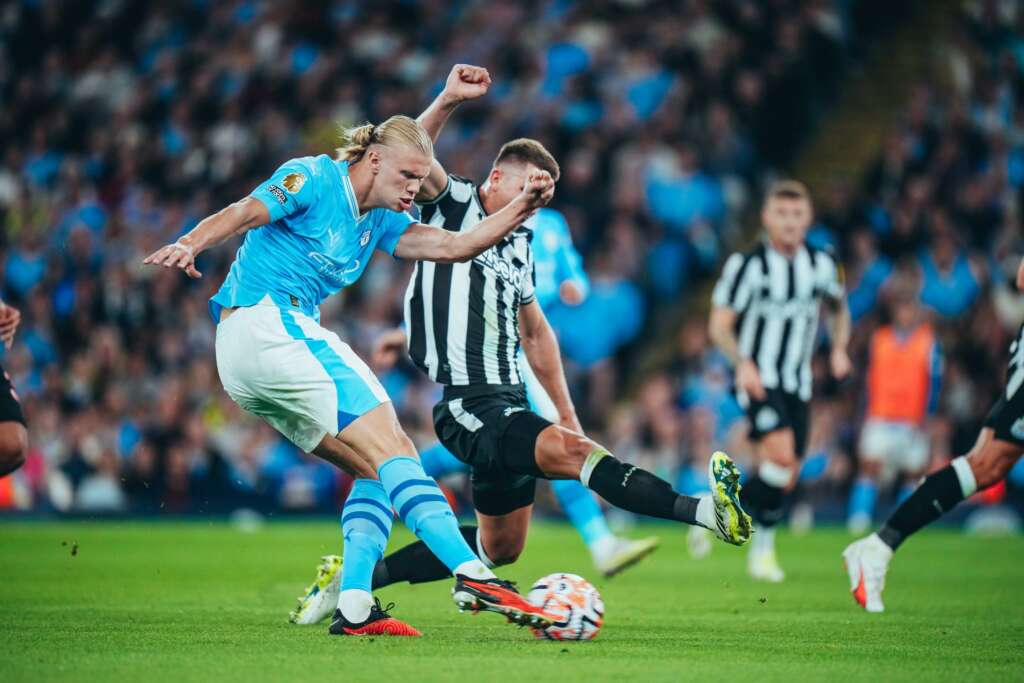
point(734, 287)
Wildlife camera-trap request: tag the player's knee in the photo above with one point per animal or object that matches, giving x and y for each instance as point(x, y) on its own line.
point(13, 447)
point(504, 549)
point(992, 464)
point(869, 467)
point(777, 447)
point(562, 452)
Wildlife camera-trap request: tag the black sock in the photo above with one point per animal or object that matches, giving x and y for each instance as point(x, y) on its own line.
point(937, 495)
point(763, 501)
point(415, 563)
point(636, 490)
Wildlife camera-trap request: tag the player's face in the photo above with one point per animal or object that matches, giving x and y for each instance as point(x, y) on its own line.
point(905, 314)
point(508, 180)
point(401, 172)
point(786, 220)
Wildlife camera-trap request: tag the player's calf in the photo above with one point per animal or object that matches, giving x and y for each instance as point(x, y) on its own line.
point(561, 453)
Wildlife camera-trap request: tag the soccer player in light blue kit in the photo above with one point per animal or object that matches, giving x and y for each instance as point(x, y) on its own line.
point(309, 231)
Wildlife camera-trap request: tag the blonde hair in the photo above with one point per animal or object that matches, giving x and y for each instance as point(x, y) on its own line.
point(396, 131)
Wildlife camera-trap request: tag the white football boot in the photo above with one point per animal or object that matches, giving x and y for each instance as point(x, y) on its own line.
point(867, 562)
point(321, 597)
point(698, 542)
point(623, 554)
point(762, 563)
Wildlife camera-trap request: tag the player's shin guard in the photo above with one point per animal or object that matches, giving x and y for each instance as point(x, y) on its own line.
point(425, 510)
point(415, 563)
point(366, 526)
point(583, 511)
point(635, 490)
point(937, 495)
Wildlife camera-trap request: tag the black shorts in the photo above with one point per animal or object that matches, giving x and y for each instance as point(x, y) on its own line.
point(1006, 418)
point(779, 410)
point(10, 406)
point(492, 429)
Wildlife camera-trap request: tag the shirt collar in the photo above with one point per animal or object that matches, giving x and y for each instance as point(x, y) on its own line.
point(350, 193)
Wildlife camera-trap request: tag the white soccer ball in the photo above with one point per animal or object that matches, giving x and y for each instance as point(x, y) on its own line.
point(575, 600)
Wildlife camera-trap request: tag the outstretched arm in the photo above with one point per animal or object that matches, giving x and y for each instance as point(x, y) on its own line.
point(465, 82)
point(234, 219)
point(425, 243)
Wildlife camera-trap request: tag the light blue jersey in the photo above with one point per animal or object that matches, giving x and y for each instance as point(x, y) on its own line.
point(555, 258)
point(315, 244)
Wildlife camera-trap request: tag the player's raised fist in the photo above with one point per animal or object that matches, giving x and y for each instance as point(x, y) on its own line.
point(466, 82)
point(539, 188)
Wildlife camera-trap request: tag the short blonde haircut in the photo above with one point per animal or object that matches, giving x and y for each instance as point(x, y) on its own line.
point(397, 131)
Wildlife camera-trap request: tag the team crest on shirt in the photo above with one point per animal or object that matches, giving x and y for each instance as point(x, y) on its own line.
point(364, 239)
point(766, 419)
point(293, 182)
point(1017, 429)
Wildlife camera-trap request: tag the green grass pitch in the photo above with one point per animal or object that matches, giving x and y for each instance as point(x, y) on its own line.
point(206, 602)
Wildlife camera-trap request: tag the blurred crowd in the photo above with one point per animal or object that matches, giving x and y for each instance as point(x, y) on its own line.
point(938, 215)
point(125, 123)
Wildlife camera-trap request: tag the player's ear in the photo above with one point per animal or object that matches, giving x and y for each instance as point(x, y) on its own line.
point(373, 156)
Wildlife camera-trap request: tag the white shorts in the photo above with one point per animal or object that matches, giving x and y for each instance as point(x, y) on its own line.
point(280, 365)
point(900, 445)
point(539, 399)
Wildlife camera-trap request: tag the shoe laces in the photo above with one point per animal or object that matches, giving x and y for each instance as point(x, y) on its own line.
point(508, 585)
point(379, 609)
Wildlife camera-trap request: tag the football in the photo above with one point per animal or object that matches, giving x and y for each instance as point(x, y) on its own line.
point(573, 598)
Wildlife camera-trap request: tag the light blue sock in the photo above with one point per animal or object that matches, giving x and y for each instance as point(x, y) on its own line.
point(425, 510)
point(862, 498)
point(580, 506)
point(438, 461)
point(366, 526)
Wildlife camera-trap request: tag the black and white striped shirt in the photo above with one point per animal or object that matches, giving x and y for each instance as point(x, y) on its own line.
point(462, 318)
point(777, 300)
point(1015, 369)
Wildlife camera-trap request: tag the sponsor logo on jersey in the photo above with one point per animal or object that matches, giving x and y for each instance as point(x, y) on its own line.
point(512, 409)
point(333, 271)
point(278, 193)
point(511, 270)
point(293, 182)
point(1017, 429)
point(364, 239)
